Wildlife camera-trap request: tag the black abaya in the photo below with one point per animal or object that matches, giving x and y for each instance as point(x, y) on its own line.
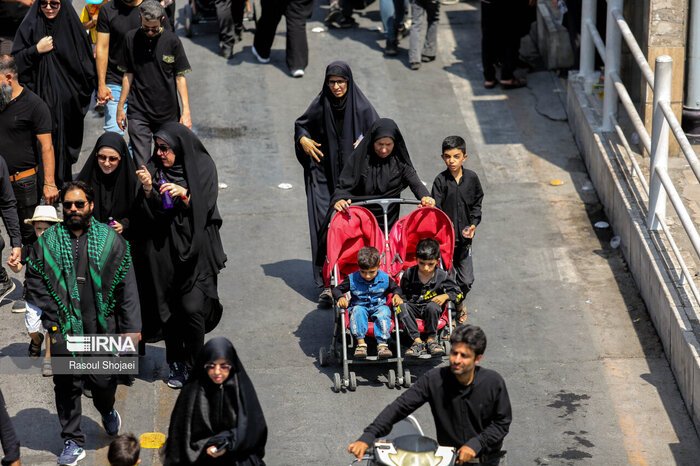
point(335, 123)
point(64, 77)
point(114, 193)
point(181, 247)
point(207, 414)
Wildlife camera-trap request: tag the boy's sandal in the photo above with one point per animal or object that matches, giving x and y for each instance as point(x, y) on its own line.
point(462, 316)
point(514, 83)
point(46, 369)
point(35, 349)
point(434, 348)
point(360, 351)
point(383, 351)
point(416, 349)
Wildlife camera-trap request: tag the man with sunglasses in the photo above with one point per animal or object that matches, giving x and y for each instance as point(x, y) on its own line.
point(154, 65)
point(79, 274)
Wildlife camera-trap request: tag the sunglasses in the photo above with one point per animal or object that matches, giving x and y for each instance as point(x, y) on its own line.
point(54, 5)
point(340, 82)
point(104, 158)
point(162, 148)
point(78, 204)
point(212, 366)
point(150, 29)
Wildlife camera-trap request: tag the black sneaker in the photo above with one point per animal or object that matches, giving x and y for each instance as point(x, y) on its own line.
point(334, 14)
point(325, 299)
point(7, 286)
point(344, 23)
point(227, 51)
point(392, 48)
point(112, 422)
point(178, 375)
point(427, 58)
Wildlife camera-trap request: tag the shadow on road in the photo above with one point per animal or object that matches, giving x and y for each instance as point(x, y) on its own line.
point(296, 273)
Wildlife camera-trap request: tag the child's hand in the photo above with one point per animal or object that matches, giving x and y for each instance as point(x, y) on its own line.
point(469, 232)
point(440, 299)
point(396, 300)
point(427, 201)
point(343, 302)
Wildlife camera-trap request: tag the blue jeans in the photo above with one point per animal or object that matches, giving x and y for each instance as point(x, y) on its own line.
point(360, 315)
point(392, 13)
point(111, 110)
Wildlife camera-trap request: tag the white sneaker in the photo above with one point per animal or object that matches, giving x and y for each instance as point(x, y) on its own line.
point(298, 73)
point(259, 58)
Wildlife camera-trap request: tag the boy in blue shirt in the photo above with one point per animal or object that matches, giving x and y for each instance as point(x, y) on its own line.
point(457, 192)
point(368, 289)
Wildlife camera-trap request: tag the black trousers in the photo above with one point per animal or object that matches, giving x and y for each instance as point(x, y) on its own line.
point(69, 389)
point(500, 39)
point(429, 312)
point(141, 133)
point(229, 15)
point(184, 331)
point(28, 194)
point(296, 13)
point(463, 267)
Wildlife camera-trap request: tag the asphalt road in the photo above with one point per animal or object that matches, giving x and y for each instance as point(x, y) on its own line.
point(586, 373)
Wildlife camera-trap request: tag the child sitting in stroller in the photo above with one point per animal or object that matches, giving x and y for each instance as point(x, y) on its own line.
point(368, 289)
point(426, 288)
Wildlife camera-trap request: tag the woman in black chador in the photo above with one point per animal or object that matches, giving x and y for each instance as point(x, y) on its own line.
point(380, 167)
point(112, 174)
point(180, 252)
point(217, 418)
point(54, 58)
point(324, 138)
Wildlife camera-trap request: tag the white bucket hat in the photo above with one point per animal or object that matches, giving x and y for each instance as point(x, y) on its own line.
point(43, 213)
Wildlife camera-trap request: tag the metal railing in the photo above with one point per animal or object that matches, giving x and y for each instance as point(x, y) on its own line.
point(660, 187)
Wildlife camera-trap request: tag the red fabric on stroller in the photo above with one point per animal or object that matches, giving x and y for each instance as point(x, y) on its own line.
point(348, 233)
point(426, 222)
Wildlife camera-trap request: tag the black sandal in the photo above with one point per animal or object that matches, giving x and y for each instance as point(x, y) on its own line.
point(515, 83)
point(416, 349)
point(435, 349)
point(34, 349)
point(490, 84)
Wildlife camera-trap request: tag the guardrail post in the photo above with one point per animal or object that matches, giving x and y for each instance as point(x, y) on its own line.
point(612, 64)
point(659, 142)
point(588, 52)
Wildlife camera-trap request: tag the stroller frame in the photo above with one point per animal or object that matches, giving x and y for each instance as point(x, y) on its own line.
point(395, 378)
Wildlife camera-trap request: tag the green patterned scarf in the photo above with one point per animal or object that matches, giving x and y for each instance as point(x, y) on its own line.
point(109, 260)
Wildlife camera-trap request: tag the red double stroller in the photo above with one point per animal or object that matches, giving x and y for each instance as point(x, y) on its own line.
point(351, 231)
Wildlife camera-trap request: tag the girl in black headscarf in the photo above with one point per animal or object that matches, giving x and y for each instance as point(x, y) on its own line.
point(324, 138)
point(217, 418)
point(112, 174)
point(55, 61)
point(380, 167)
point(181, 253)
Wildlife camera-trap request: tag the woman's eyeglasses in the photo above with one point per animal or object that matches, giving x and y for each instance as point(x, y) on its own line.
point(211, 366)
point(78, 204)
point(54, 5)
point(162, 148)
point(337, 82)
point(104, 158)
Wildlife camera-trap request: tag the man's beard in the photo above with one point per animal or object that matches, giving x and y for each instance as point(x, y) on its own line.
point(77, 221)
point(5, 95)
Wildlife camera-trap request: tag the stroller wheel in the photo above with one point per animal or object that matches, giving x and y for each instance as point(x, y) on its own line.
point(336, 382)
point(391, 379)
point(353, 382)
point(448, 346)
point(323, 357)
point(406, 379)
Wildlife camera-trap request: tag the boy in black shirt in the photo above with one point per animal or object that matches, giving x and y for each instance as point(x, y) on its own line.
point(426, 289)
point(457, 192)
point(154, 65)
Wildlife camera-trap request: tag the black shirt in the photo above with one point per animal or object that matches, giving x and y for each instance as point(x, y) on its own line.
point(477, 415)
point(25, 117)
point(116, 18)
point(415, 291)
point(11, 16)
point(460, 201)
point(155, 62)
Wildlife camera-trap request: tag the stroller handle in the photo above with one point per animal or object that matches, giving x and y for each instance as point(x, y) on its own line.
point(386, 203)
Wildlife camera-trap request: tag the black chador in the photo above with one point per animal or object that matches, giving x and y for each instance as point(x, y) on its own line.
point(336, 124)
point(64, 77)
